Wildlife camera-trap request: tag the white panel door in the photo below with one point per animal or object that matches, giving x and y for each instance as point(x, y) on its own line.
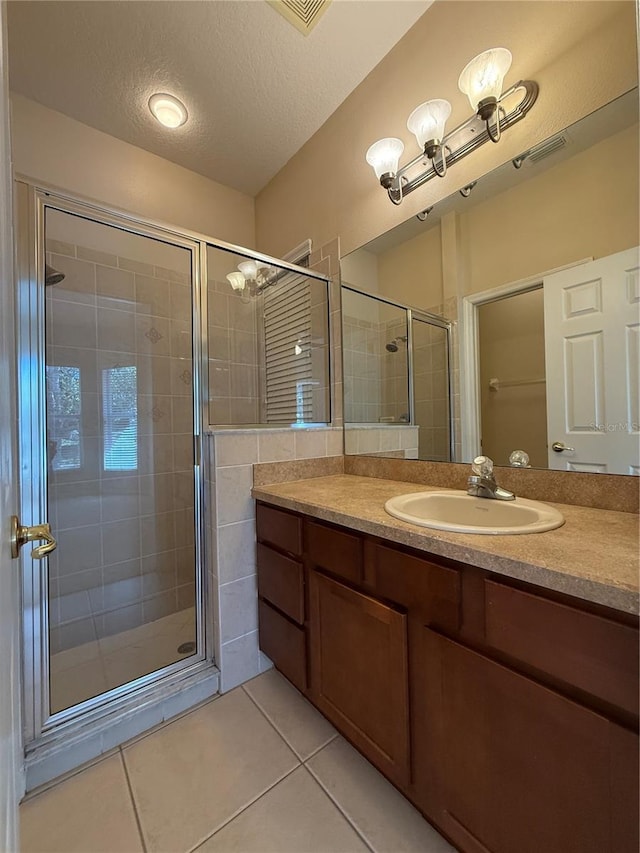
point(11, 783)
point(592, 336)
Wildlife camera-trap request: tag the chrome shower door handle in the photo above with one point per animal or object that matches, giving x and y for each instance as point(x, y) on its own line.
point(558, 446)
point(20, 535)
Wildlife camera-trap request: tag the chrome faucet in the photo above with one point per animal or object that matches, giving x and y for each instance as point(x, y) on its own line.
point(482, 483)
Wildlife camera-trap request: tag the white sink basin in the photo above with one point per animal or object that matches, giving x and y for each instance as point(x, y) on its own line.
point(460, 513)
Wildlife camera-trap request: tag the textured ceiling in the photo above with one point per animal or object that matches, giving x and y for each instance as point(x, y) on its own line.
point(256, 89)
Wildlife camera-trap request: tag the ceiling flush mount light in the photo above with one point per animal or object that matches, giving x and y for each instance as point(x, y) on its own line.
point(494, 111)
point(169, 111)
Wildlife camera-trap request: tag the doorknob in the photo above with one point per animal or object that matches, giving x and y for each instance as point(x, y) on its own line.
point(558, 446)
point(20, 535)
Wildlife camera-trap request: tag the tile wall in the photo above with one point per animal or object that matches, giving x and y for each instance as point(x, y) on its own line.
point(232, 539)
point(234, 355)
point(126, 537)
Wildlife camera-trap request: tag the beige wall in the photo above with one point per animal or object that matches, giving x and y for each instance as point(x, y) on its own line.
point(412, 272)
point(511, 334)
point(584, 207)
point(64, 153)
point(582, 54)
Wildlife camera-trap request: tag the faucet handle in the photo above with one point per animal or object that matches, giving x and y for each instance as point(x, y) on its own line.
point(482, 466)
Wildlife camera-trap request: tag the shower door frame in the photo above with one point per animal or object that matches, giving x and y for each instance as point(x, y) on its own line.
point(41, 728)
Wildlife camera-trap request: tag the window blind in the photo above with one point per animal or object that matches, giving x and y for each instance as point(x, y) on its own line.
point(287, 342)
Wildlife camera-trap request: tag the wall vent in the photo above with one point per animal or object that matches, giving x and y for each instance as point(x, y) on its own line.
point(539, 152)
point(303, 14)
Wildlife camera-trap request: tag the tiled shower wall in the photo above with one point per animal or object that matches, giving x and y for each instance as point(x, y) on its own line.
point(127, 537)
point(234, 362)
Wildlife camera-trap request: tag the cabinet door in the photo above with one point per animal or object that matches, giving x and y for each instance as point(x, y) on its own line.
point(520, 767)
point(359, 671)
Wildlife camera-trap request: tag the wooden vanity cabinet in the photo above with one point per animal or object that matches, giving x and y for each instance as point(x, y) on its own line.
point(506, 713)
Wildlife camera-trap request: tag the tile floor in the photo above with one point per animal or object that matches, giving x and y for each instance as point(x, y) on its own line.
point(93, 668)
point(257, 770)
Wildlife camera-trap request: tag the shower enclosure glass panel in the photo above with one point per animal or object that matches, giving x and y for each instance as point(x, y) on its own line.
point(120, 456)
point(375, 358)
point(268, 334)
point(430, 378)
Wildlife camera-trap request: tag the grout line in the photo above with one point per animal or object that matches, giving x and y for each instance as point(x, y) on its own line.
point(335, 801)
point(320, 748)
point(272, 724)
point(58, 780)
point(133, 800)
point(169, 720)
point(244, 808)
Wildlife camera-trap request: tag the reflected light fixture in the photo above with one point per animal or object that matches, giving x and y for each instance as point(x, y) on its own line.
point(494, 111)
point(236, 280)
point(169, 111)
point(252, 276)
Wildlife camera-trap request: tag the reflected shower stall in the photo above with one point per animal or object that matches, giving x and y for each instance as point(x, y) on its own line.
point(397, 379)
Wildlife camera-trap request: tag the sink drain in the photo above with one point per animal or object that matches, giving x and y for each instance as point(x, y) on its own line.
point(186, 648)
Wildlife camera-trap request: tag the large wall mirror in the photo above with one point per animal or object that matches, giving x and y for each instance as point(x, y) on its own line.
point(535, 273)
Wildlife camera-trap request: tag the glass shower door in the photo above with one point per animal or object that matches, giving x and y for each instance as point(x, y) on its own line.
point(121, 486)
point(431, 389)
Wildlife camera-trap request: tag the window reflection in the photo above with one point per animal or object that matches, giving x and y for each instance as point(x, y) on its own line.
point(64, 411)
point(120, 418)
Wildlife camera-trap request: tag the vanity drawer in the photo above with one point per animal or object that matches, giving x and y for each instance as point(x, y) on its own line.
point(590, 652)
point(284, 643)
point(432, 590)
point(280, 528)
point(335, 550)
point(280, 581)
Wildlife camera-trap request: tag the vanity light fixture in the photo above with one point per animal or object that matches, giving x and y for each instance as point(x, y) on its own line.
point(494, 111)
point(169, 111)
point(252, 276)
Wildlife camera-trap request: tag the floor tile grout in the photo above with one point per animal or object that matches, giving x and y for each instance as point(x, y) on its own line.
point(244, 808)
point(53, 783)
point(272, 724)
point(336, 803)
point(168, 721)
point(133, 800)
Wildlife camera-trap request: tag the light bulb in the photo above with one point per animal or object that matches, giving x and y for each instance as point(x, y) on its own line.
point(236, 280)
point(168, 110)
point(482, 78)
point(249, 269)
point(427, 121)
point(383, 156)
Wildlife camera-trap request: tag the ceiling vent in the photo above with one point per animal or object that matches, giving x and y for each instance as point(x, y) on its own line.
point(303, 14)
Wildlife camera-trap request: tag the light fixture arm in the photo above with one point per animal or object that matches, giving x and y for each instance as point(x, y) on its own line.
point(464, 139)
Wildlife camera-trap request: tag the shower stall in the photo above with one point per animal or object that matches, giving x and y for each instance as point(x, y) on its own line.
point(397, 379)
point(132, 343)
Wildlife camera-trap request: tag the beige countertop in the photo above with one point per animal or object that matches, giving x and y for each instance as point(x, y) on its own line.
point(593, 556)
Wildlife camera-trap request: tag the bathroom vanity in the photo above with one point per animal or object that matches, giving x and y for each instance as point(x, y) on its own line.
point(496, 690)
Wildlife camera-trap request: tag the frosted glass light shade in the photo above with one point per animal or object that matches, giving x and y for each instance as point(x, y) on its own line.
point(236, 280)
point(249, 269)
point(383, 156)
point(483, 76)
point(427, 121)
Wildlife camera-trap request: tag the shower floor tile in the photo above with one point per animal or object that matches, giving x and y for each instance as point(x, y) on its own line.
point(253, 771)
point(79, 673)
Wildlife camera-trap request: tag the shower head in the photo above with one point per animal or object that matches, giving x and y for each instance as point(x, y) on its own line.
point(392, 346)
point(52, 276)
